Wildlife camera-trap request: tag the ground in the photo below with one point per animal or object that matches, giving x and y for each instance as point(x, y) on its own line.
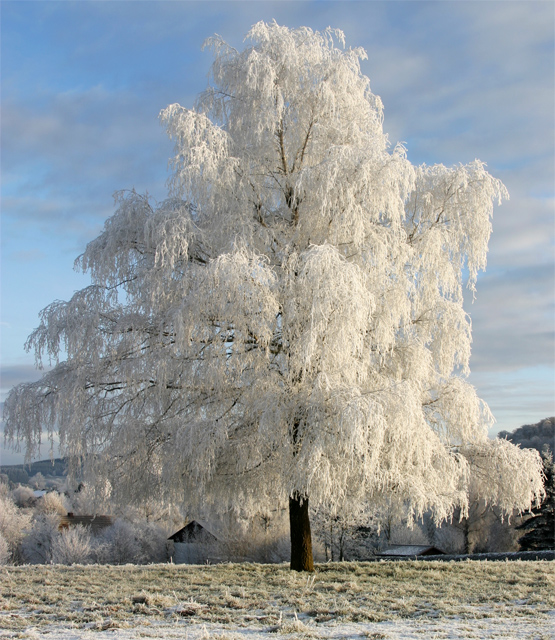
point(389, 600)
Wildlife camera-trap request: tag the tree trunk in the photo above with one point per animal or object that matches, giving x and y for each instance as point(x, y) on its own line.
point(466, 533)
point(341, 543)
point(301, 540)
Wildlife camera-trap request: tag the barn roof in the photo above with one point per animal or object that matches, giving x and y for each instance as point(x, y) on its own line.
point(410, 550)
point(193, 532)
point(95, 523)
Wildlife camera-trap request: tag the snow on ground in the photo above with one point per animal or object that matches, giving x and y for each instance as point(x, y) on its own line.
point(393, 601)
point(480, 629)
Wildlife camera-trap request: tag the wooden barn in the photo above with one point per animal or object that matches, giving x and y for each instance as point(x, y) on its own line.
point(191, 544)
point(95, 523)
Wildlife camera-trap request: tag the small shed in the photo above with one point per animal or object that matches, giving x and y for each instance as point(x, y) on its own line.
point(95, 523)
point(408, 551)
point(191, 544)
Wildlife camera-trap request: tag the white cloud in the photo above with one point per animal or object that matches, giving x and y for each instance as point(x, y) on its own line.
point(11, 375)
point(512, 319)
point(31, 255)
point(517, 397)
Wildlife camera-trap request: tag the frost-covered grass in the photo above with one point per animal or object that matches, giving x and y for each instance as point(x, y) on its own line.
point(248, 601)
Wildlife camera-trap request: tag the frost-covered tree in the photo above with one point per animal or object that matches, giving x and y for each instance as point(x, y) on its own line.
point(37, 481)
point(289, 323)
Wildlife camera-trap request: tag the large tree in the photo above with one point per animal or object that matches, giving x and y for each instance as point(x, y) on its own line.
point(289, 323)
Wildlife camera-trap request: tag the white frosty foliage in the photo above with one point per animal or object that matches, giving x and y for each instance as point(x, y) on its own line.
point(290, 319)
point(36, 546)
point(135, 543)
point(13, 523)
point(4, 551)
point(72, 545)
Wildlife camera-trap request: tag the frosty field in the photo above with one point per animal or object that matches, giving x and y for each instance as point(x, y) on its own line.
point(250, 602)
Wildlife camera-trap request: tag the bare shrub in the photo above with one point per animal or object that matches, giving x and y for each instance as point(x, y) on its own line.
point(37, 544)
point(131, 542)
point(117, 544)
point(13, 523)
point(72, 546)
point(151, 538)
point(53, 502)
point(4, 551)
point(262, 539)
point(23, 496)
point(344, 538)
point(250, 549)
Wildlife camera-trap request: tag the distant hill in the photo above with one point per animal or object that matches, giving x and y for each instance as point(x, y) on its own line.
point(533, 436)
point(20, 473)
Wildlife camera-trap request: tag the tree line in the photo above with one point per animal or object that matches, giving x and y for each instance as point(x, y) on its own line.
point(30, 533)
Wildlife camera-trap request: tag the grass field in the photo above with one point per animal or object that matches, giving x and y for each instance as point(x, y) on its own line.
point(389, 600)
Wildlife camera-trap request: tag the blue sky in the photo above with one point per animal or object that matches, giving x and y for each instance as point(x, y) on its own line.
point(82, 84)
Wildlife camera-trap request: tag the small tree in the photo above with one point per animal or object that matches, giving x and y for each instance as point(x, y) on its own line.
point(349, 530)
point(37, 481)
point(289, 323)
point(473, 526)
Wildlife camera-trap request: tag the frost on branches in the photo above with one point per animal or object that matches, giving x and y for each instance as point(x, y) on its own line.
point(289, 323)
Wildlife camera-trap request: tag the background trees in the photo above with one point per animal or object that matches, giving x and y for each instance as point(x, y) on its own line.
point(288, 325)
point(540, 529)
point(533, 436)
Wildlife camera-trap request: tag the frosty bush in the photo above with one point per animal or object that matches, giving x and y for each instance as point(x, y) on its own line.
point(23, 496)
point(266, 549)
point(136, 543)
point(151, 538)
point(117, 544)
point(13, 523)
point(53, 502)
point(4, 551)
point(83, 499)
point(38, 542)
point(72, 546)
point(263, 539)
